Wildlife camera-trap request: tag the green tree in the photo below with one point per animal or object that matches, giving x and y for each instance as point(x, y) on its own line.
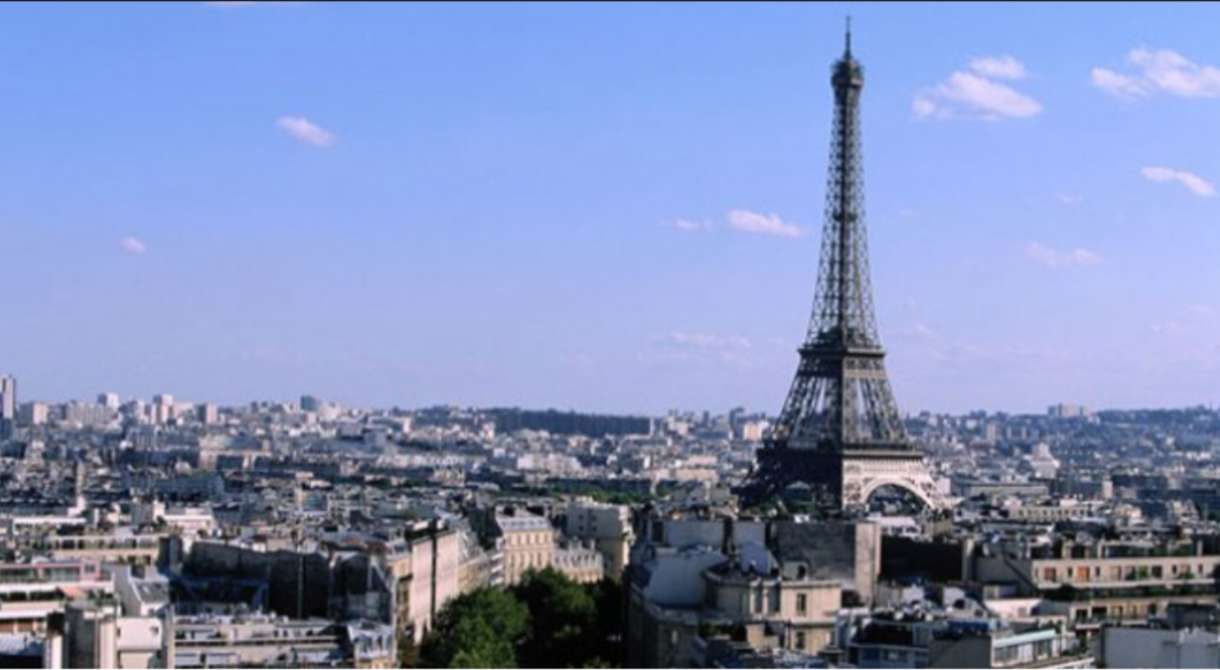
point(608, 594)
point(482, 628)
point(564, 629)
point(480, 646)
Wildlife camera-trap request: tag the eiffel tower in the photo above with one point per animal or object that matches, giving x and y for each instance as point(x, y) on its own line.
point(839, 431)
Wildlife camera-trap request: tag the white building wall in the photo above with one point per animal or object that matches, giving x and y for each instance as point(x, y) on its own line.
point(1154, 648)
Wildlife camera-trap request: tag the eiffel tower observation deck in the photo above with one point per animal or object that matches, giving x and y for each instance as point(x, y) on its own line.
point(840, 432)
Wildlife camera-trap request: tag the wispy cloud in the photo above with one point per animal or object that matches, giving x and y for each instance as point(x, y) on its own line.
point(999, 67)
point(304, 130)
point(1196, 184)
point(700, 348)
point(702, 341)
point(1070, 199)
point(1161, 70)
point(1116, 84)
point(1053, 258)
point(133, 246)
point(919, 330)
point(688, 225)
point(762, 224)
point(976, 93)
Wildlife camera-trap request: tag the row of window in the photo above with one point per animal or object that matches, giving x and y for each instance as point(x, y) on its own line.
point(527, 538)
point(1024, 653)
point(526, 561)
point(1131, 611)
point(1116, 573)
point(772, 602)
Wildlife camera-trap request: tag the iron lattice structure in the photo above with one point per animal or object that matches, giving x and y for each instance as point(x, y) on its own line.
point(841, 394)
point(840, 405)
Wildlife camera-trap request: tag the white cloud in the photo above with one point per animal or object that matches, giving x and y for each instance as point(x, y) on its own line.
point(1002, 67)
point(923, 107)
point(688, 225)
point(1197, 185)
point(132, 246)
point(683, 347)
point(977, 95)
point(1044, 255)
point(921, 331)
point(762, 224)
point(703, 341)
point(1070, 198)
point(987, 97)
point(302, 129)
point(1161, 70)
point(1117, 84)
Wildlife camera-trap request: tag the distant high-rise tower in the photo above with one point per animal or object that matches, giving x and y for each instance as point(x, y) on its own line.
point(163, 408)
point(207, 413)
point(839, 431)
point(108, 400)
point(32, 414)
point(8, 405)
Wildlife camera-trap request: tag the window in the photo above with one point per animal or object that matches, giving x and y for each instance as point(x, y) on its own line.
point(800, 639)
point(1005, 655)
point(802, 603)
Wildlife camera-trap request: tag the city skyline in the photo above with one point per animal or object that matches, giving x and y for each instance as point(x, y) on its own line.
point(552, 219)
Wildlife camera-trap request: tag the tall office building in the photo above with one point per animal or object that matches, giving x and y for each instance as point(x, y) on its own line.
point(8, 405)
point(108, 400)
point(309, 403)
point(32, 414)
point(163, 408)
point(207, 413)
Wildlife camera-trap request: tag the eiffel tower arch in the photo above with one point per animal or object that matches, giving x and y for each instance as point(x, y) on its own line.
point(839, 431)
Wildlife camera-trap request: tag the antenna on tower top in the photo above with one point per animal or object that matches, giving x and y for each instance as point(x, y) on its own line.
point(847, 48)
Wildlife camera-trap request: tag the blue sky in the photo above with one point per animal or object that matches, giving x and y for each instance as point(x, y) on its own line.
point(603, 207)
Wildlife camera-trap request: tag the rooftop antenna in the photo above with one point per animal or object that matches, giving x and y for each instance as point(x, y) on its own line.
point(847, 49)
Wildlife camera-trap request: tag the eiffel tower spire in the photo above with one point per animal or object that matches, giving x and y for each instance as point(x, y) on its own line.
point(841, 395)
point(840, 407)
